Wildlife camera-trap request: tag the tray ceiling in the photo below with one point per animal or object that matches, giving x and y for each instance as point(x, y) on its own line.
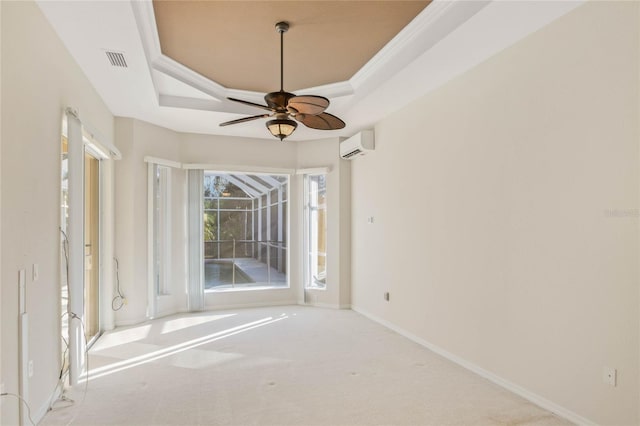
point(234, 43)
point(445, 39)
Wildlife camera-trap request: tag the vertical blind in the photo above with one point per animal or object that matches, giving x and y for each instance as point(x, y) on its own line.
point(195, 226)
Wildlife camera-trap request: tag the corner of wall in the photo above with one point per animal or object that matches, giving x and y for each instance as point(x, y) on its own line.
point(345, 232)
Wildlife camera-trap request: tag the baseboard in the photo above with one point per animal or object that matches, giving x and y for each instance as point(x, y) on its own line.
point(37, 416)
point(518, 390)
point(139, 321)
point(321, 305)
point(250, 305)
point(129, 322)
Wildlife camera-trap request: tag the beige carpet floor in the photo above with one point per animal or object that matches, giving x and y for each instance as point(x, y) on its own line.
point(289, 365)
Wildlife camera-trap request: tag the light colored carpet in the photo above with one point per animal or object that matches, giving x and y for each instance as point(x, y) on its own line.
point(289, 365)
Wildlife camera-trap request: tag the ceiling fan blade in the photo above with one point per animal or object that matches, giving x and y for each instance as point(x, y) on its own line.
point(251, 104)
point(311, 105)
point(324, 121)
point(242, 120)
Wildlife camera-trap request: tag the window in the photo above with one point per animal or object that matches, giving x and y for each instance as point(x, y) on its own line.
point(245, 231)
point(315, 230)
point(161, 229)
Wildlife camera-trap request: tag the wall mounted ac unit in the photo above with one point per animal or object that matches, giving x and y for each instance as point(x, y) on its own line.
point(357, 145)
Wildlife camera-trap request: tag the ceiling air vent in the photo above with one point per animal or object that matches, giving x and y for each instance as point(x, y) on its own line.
point(116, 59)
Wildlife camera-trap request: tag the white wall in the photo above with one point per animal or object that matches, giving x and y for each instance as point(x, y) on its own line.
point(506, 224)
point(39, 79)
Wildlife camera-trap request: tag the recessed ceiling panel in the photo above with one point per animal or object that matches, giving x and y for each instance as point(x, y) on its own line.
point(235, 44)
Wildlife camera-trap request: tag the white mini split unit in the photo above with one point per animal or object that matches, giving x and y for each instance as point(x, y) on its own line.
point(357, 145)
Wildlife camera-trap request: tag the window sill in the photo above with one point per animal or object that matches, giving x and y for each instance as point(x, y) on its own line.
point(246, 288)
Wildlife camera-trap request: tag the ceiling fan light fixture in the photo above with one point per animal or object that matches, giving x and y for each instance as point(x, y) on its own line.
point(281, 128)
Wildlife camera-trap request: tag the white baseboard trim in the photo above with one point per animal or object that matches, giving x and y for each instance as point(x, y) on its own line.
point(39, 415)
point(44, 409)
point(518, 390)
point(326, 305)
point(321, 305)
point(129, 322)
point(249, 305)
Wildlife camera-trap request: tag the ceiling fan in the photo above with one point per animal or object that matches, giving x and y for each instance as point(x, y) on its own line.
point(307, 109)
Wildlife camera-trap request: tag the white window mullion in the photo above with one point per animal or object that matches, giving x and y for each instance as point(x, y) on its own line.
point(151, 239)
point(280, 230)
point(315, 230)
point(165, 246)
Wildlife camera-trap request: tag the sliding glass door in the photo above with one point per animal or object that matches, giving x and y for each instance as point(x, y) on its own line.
point(80, 254)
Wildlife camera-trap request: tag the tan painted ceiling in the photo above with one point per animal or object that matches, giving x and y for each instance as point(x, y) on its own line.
point(235, 44)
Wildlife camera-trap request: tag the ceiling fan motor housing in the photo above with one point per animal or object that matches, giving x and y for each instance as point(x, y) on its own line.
point(278, 100)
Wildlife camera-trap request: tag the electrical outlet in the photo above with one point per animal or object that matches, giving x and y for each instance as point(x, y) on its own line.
point(610, 376)
point(30, 368)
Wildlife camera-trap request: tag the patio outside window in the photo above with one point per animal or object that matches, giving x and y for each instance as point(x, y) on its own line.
point(245, 231)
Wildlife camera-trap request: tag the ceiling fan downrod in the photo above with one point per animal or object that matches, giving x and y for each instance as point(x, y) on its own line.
point(282, 27)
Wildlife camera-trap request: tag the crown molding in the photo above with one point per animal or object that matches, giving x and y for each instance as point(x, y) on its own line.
point(332, 90)
point(172, 68)
point(433, 24)
point(148, 30)
point(190, 103)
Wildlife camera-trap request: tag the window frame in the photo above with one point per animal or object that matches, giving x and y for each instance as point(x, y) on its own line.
point(310, 281)
point(266, 194)
point(160, 213)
